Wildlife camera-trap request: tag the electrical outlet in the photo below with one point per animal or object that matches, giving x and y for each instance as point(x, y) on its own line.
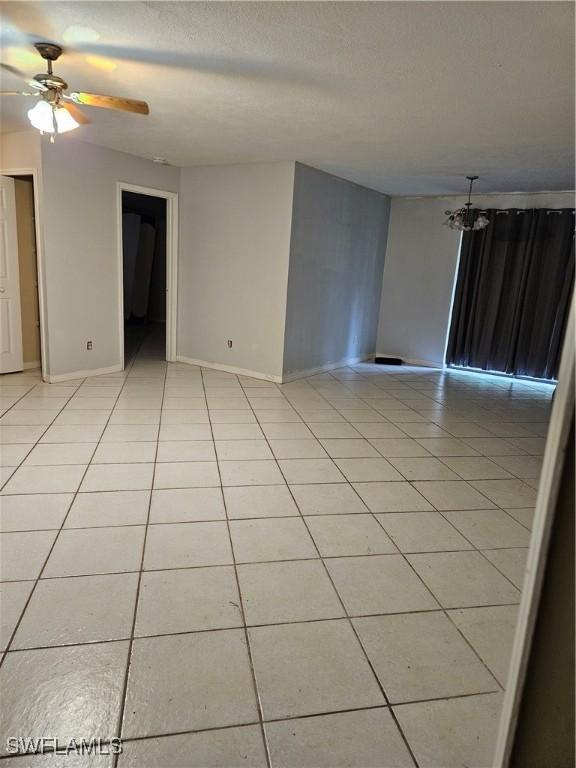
point(229, 343)
point(88, 345)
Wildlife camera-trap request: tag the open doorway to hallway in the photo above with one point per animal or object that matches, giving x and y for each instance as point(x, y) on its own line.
point(21, 344)
point(144, 272)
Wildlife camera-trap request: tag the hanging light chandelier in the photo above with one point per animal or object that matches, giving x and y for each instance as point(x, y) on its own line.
point(465, 219)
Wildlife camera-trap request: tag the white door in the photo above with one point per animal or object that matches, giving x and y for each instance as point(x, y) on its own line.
point(10, 315)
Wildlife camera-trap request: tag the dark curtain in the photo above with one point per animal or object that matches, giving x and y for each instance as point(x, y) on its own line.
point(513, 291)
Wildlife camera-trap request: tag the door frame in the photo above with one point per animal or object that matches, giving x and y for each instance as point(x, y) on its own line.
point(171, 263)
point(40, 270)
point(548, 488)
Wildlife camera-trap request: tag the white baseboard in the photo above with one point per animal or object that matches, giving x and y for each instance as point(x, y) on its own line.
point(229, 369)
point(413, 361)
point(327, 367)
point(54, 379)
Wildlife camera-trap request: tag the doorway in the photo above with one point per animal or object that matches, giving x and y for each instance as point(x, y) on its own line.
point(147, 245)
point(21, 335)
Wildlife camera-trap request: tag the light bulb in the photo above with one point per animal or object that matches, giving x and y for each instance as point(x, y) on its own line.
point(42, 117)
point(64, 120)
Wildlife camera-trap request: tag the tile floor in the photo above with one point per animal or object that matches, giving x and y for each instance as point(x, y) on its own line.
point(225, 572)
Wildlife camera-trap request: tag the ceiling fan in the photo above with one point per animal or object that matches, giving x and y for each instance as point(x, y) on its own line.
point(57, 111)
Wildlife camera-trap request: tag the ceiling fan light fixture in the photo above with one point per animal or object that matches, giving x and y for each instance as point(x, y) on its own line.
point(42, 117)
point(64, 120)
point(49, 118)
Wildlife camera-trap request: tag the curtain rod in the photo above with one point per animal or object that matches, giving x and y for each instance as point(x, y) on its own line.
point(526, 210)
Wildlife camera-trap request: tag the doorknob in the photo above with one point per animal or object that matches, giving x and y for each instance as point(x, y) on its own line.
point(2, 290)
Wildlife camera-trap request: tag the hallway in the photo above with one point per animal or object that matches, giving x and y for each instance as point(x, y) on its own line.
point(227, 571)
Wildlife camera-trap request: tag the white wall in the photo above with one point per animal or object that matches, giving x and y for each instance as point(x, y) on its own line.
point(78, 209)
point(420, 270)
point(336, 261)
point(235, 240)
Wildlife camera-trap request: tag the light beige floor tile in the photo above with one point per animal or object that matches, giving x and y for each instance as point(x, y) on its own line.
point(521, 466)
point(341, 535)
point(250, 472)
point(525, 516)
point(349, 448)
point(188, 600)
point(11, 455)
point(493, 446)
point(367, 470)
point(447, 446)
point(237, 431)
point(13, 597)
point(88, 551)
point(10, 435)
point(79, 610)
point(186, 450)
point(285, 592)
point(106, 508)
point(184, 417)
point(298, 449)
point(259, 501)
point(186, 505)
point(271, 539)
point(125, 453)
point(303, 669)
point(34, 512)
point(185, 432)
point(475, 468)
point(430, 468)
point(510, 562)
point(73, 433)
point(392, 497)
point(327, 499)
point(398, 447)
point(118, 477)
point(60, 453)
point(507, 493)
point(187, 474)
point(182, 545)
point(91, 676)
point(452, 732)
point(463, 579)
point(232, 417)
point(422, 656)
point(208, 749)
point(490, 631)
point(378, 430)
point(447, 494)
point(302, 471)
point(235, 450)
point(287, 431)
point(379, 584)
point(490, 528)
point(341, 740)
point(422, 532)
point(22, 555)
point(59, 479)
point(166, 670)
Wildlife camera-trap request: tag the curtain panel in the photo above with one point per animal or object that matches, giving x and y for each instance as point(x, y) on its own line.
point(512, 297)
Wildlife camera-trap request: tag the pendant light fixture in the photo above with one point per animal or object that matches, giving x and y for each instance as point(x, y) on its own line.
point(464, 219)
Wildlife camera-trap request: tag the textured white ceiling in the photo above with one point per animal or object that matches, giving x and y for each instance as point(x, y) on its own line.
point(404, 97)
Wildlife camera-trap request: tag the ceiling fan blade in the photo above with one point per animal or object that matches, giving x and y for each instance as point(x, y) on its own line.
point(18, 93)
point(111, 102)
point(23, 76)
point(76, 113)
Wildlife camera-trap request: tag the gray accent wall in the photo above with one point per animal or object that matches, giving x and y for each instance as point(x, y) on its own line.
point(337, 247)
